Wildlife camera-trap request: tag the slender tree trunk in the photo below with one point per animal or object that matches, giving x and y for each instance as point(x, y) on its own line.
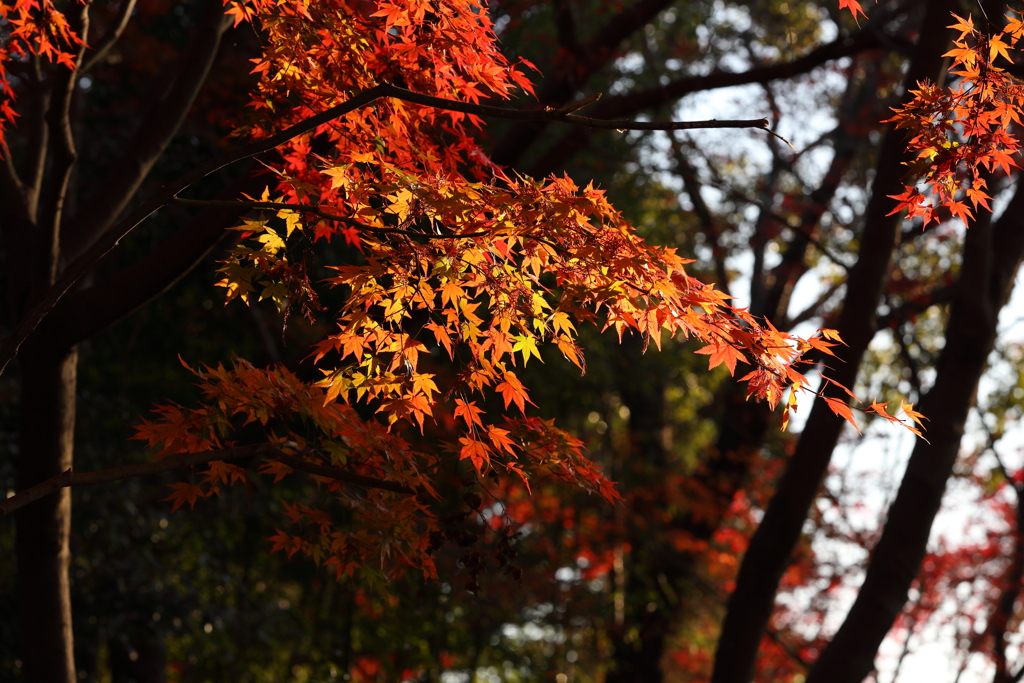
point(43, 529)
point(751, 603)
point(992, 257)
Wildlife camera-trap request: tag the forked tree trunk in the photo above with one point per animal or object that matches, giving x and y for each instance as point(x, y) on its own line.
point(43, 529)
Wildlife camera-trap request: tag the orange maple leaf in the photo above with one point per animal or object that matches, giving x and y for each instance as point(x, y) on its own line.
point(840, 408)
point(722, 353)
point(853, 6)
point(185, 493)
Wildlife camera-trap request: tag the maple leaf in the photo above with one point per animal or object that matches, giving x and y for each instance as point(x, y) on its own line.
point(853, 6)
point(879, 408)
point(442, 337)
point(468, 412)
point(286, 542)
point(998, 47)
point(526, 344)
point(1015, 27)
point(185, 493)
point(276, 468)
point(832, 335)
point(477, 452)
point(965, 26)
point(722, 353)
point(499, 437)
point(500, 345)
point(513, 391)
point(908, 410)
point(842, 409)
point(960, 210)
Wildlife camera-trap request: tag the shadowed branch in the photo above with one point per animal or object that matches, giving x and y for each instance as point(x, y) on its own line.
point(177, 462)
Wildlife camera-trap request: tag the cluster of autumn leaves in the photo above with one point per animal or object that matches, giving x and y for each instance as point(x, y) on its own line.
point(457, 259)
point(961, 136)
point(31, 27)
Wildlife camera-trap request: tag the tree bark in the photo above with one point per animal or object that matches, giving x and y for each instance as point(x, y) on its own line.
point(991, 259)
point(43, 556)
point(750, 606)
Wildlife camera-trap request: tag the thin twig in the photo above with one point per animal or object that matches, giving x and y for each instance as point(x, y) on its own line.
point(105, 45)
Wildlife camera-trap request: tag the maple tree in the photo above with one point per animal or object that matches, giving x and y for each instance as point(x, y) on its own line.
point(456, 275)
point(395, 189)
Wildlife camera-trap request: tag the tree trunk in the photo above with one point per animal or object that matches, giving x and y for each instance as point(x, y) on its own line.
point(991, 260)
point(751, 603)
point(43, 529)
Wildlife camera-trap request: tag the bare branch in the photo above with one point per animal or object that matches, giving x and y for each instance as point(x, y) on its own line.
point(110, 238)
point(563, 115)
point(123, 15)
point(38, 135)
point(509, 150)
point(183, 460)
point(579, 104)
point(84, 312)
point(584, 60)
point(156, 130)
point(54, 187)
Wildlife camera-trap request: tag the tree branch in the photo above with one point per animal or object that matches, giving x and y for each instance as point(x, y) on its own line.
point(38, 136)
point(584, 62)
point(123, 15)
point(626, 105)
point(110, 238)
point(54, 188)
point(155, 132)
point(183, 460)
point(83, 313)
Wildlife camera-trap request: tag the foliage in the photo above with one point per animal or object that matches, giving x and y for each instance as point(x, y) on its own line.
point(957, 132)
point(490, 268)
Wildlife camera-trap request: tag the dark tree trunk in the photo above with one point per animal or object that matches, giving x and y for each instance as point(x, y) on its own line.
point(991, 259)
point(750, 606)
point(43, 529)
